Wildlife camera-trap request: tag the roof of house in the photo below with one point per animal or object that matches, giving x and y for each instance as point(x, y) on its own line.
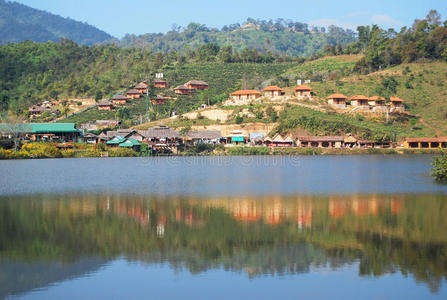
point(272, 88)
point(197, 82)
point(89, 135)
point(39, 127)
point(133, 91)
point(337, 96)
point(160, 131)
point(204, 134)
point(427, 140)
point(119, 132)
point(103, 136)
point(36, 108)
point(105, 103)
point(141, 86)
point(359, 97)
point(182, 87)
point(119, 97)
point(158, 80)
point(246, 92)
point(279, 138)
point(130, 143)
point(115, 140)
point(321, 139)
point(303, 88)
point(396, 99)
point(376, 98)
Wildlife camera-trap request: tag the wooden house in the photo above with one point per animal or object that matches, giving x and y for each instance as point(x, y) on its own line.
point(280, 141)
point(197, 85)
point(42, 132)
point(303, 91)
point(131, 143)
point(427, 143)
point(272, 91)
point(37, 110)
point(141, 87)
point(203, 137)
point(237, 137)
point(182, 90)
point(359, 101)
point(159, 83)
point(376, 101)
point(397, 104)
point(337, 100)
point(105, 105)
point(133, 94)
point(119, 100)
point(160, 100)
point(321, 141)
point(245, 95)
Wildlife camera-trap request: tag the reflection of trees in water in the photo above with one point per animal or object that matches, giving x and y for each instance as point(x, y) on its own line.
point(274, 235)
point(280, 260)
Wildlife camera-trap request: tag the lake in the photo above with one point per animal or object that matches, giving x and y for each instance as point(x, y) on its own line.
point(320, 227)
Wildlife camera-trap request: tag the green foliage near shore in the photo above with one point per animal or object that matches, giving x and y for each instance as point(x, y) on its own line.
point(121, 152)
point(439, 170)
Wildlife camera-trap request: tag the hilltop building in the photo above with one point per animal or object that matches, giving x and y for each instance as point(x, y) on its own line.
point(272, 91)
point(105, 105)
point(197, 85)
point(303, 91)
point(337, 100)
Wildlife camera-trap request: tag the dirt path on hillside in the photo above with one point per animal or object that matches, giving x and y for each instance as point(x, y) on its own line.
point(438, 132)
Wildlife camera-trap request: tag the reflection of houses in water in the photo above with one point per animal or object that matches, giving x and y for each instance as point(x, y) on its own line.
point(303, 215)
point(272, 210)
point(361, 205)
point(161, 226)
point(246, 211)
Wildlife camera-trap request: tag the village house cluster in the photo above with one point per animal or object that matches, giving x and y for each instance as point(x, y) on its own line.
point(162, 139)
point(356, 103)
point(142, 88)
point(37, 110)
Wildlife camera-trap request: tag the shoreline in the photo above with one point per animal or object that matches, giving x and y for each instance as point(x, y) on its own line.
point(253, 151)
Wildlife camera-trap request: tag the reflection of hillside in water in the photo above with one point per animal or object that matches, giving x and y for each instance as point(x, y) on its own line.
point(271, 235)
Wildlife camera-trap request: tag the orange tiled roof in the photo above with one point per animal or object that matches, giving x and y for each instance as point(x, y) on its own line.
point(376, 98)
point(246, 92)
point(359, 97)
point(337, 96)
point(303, 88)
point(272, 88)
point(396, 99)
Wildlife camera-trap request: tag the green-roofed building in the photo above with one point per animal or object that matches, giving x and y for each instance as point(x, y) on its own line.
point(115, 141)
point(131, 143)
point(55, 132)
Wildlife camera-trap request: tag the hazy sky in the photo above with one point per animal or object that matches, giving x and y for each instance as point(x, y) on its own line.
point(119, 17)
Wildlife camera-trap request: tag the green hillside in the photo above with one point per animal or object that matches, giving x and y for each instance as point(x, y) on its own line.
point(19, 22)
point(277, 37)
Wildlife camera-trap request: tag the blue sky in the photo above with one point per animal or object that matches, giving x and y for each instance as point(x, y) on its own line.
point(119, 17)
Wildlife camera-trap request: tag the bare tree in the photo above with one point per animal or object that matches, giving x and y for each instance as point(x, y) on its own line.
point(15, 129)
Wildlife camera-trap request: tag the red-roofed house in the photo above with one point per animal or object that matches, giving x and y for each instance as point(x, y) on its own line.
point(359, 100)
point(133, 94)
point(182, 90)
point(337, 100)
point(303, 91)
point(160, 83)
point(272, 91)
point(397, 104)
point(197, 85)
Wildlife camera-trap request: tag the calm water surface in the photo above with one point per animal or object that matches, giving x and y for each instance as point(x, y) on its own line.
point(372, 227)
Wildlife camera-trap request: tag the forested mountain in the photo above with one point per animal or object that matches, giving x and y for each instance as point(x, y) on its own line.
point(19, 22)
point(277, 37)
